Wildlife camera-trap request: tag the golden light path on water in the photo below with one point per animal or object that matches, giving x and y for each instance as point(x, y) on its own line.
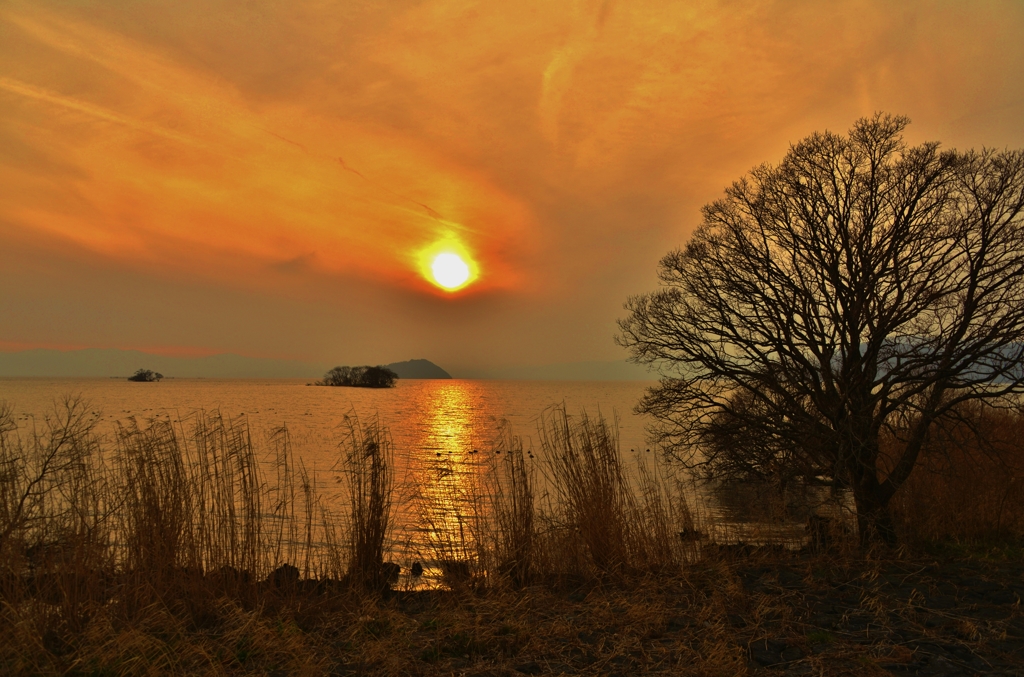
point(448, 478)
point(443, 433)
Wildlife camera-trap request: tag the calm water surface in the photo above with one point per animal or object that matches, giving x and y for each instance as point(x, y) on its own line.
point(443, 430)
point(423, 416)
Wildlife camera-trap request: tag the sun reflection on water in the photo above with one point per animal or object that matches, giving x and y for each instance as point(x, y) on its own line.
point(445, 470)
point(436, 426)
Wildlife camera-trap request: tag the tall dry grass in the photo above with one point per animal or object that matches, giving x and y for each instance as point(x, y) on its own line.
point(579, 509)
point(170, 527)
point(168, 512)
point(367, 462)
point(196, 546)
point(597, 516)
point(196, 510)
point(513, 507)
point(55, 507)
point(454, 520)
point(969, 482)
point(182, 510)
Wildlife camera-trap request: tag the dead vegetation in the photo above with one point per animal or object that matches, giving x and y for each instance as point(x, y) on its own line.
point(969, 487)
point(191, 548)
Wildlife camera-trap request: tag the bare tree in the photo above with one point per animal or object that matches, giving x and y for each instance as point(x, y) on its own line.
point(859, 286)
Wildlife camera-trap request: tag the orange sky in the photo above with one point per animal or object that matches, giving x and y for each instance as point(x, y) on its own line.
point(262, 177)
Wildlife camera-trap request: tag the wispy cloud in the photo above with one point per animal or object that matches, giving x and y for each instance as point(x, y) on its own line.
point(307, 152)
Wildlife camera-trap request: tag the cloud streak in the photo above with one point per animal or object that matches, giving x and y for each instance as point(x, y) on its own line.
point(227, 182)
point(297, 157)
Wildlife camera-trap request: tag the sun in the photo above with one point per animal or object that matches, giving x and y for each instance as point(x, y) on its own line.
point(447, 263)
point(449, 270)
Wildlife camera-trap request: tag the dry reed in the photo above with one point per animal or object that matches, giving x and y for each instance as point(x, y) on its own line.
point(454, 522)
point(969, 484)
point(367, 462)
point(170, 549)
point(597, 519)
point(513, 509)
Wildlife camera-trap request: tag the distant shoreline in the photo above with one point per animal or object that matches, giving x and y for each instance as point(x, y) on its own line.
point(116, 363)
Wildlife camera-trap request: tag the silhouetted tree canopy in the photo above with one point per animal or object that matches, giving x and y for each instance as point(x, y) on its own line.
point(360, 377)
point(145, 376)
point(860, 286)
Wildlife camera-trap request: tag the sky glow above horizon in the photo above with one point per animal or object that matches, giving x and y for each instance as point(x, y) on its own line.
point(278, 178)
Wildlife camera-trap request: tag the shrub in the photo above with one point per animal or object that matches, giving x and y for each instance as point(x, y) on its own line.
point(145, 376)
point(360, 377)
point(969, 485)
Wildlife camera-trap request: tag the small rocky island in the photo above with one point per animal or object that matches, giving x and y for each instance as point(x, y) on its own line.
point(145, 376)
point(360, 377)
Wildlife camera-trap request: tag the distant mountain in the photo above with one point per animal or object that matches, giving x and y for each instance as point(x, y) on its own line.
point(620, 370)
point(418, 369)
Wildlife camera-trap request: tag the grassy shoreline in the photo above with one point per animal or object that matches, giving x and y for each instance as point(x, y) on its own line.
point(777, 615)
point(174, 552)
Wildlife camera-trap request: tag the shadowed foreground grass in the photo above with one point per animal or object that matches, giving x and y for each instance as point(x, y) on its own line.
point(189, 549)
point(781, 615)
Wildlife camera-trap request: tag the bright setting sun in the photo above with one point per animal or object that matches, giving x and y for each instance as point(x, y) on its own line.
point(449, 270)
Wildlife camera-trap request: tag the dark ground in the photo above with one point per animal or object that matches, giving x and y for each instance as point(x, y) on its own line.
point(771, 613)
point(783, 615)
point(915, 618)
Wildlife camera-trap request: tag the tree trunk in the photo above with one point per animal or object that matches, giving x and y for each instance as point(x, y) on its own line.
point(874, 520)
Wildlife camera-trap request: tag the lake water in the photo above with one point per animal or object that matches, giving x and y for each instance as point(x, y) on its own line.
point(442, 430)
point(424, 416)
